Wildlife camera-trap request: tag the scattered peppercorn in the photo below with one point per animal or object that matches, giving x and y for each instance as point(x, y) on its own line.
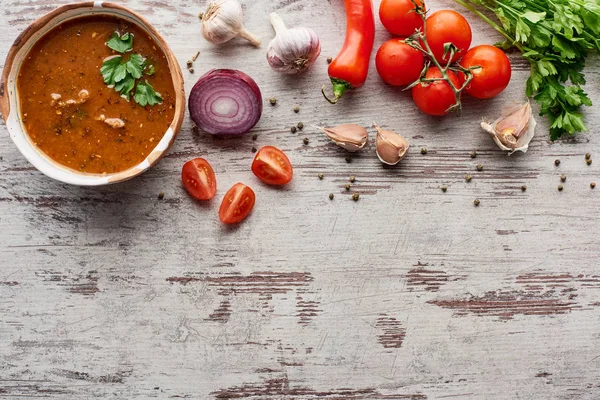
point(444, 188)
point(330, 196)
point(355, 196)
point(348, 159)
point(468, 178)
point(557, 162)
point(476, 202)
point(479, 167)
point(305, 140)
point(523, 188)
point(560, 188)
point(473, 154)
point(348, 186)
point(320, 176)
point(588, 156)
point(589, 162)
point(296, 108)
point(352, 178)
point(329, 60)
point(161, 195)
point(273, 101)
point(189, 63)
point(593, 185)
point(191, 70)
point(293, 129)
point(254, 149)
point(563, 178)
point(195, 129)
point(423, 150)
point(300, 125)
point(254, 137)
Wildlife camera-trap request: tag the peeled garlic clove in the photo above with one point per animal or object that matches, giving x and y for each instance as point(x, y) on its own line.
point(223, 20)
point(351, 137)
point(292, 50)
point(391, 147)
point(514, 129)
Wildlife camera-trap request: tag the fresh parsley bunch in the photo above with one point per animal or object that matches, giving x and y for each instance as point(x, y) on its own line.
point(555, 36)
point(122, 74)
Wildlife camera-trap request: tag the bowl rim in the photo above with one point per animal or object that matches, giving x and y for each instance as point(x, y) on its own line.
point(54, 169)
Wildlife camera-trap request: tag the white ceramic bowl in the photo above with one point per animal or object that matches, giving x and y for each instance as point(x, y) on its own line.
point(9, 100)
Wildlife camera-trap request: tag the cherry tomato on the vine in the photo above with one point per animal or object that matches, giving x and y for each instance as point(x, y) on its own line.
point(199, 179)
point(493, 76)
point(237, 204)
point(397, 63)
point(434, 98)
point(272, 166)
point(399, 16)
point(448, 26)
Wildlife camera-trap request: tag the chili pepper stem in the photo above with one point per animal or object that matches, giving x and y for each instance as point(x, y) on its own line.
point(339, 88)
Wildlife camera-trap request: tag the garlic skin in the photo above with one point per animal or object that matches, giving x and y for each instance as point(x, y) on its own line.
point(292, 50)
point(223, 21)
point(391, 147)
point(351, 137)
point(514, 129)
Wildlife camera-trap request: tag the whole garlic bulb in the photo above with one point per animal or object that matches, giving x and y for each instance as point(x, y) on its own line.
point(223, 21)
point(292, 50)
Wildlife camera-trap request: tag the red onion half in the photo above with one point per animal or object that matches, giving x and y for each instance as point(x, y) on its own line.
point(225, 101)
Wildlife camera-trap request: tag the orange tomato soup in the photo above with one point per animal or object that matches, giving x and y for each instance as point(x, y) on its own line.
point(73, 116)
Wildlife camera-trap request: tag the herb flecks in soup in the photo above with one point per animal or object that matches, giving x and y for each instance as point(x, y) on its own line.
point(71, 114)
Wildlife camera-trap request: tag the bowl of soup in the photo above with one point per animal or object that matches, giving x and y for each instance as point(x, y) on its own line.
point(91, 94)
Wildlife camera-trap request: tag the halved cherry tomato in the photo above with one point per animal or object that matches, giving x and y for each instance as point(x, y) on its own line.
point(434, 98)
point(493, 76)
point(272, 166)
point(199, 179)
point(237, 204)
point(399, 16)
point(448, 26)
point(397, 63)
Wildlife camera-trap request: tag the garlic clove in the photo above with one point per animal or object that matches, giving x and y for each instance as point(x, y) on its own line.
point(514, 129)
point(351, 137)
point(223, 21)
point(391, 147)
point(292, 50)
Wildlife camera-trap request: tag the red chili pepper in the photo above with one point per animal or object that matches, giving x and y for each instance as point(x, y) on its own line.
point(350, 67)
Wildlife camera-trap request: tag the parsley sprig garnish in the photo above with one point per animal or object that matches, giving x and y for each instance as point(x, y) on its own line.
point(555, 36)
point(125, 74)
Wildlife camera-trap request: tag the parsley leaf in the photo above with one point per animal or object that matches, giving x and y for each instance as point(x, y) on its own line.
point(135, 66)
point(125, 86)
point(108, 69)
point(145, 94)
point(121, 44)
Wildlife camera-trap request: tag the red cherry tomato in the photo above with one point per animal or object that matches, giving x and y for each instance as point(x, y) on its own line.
point(493, 76)
point(397, 63)
point(199, 179)
point(237, 204)
point(272, 166)
point(399, 16)
point(434, 98)
point(448, 26)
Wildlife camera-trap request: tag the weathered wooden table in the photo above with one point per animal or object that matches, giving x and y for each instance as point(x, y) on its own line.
point(409, 293)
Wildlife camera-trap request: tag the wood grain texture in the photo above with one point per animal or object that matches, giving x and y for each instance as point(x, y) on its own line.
point(409, 293)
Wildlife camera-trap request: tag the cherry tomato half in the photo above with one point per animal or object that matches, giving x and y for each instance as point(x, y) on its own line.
point(434, 98)
point(399, 16)
point(199, 179)
point(272, 166)
point(493, 76)
point(237, 204)
point(448, 26)
point(397, 63)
